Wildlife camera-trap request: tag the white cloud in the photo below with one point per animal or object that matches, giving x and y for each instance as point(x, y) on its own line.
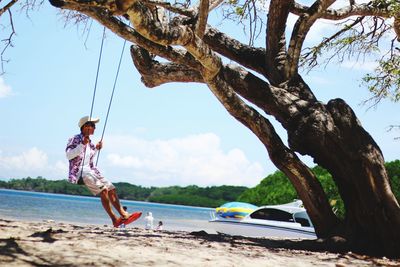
point(33, 163)
point(5, 90)
point(33, 159)
point(196, 159)
point(191, 160)
point(59, 170)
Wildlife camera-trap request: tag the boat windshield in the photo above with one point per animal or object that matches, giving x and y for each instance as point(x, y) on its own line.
point(272, 214)
point(302, 218)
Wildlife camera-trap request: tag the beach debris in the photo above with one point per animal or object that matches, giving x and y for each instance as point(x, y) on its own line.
point(47, 235)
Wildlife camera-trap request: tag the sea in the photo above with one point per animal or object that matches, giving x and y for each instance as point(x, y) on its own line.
point(83, 210)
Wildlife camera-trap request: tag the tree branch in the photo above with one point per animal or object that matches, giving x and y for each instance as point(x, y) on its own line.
point(155, 73)
point(396, 27)
point(201, 24)
point(7, 6)
point(310, 58)
point(126, 32)
point(8, 42)
point(175, 35)
point(152, 30)
point(299, 33)
point(214, 4)
point(221, 43)
point(189, 12)
point(251, 88)
point(366, 9)
point(112, 6)
point(275, 39)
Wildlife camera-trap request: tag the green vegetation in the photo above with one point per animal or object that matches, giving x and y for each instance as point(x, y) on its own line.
point(213, 196)
point(393, 169)
point(274, 189)
point(277, 189)
point(40, 184)
point(133, 192)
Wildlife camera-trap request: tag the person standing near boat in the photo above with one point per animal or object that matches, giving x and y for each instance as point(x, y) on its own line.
point(81, 152)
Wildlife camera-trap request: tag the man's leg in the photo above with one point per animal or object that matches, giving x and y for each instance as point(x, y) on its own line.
point(98, 185)
point(105, 201)
point(112, 195)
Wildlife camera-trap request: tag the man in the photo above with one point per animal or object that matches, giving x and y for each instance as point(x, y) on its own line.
point(81, 153)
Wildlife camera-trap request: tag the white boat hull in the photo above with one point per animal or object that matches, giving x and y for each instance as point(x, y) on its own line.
point(253, 229)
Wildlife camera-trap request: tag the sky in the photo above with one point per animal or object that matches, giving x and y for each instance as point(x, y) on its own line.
point(175, 134)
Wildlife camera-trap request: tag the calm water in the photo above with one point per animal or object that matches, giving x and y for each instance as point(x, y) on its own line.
point(24, 205)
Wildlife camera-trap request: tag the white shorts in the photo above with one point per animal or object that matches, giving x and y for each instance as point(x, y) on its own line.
point(96, 183)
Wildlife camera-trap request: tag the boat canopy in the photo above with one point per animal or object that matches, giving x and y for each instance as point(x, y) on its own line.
point(235, 209)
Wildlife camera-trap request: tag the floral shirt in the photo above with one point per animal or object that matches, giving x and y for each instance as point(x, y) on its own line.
point(75, 153)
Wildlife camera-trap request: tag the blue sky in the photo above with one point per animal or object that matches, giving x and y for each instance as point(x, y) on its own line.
point(175, 134)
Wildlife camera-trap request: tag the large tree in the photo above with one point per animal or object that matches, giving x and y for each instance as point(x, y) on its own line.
point(266, 79)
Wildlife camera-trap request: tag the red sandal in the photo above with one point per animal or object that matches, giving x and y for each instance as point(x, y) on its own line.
point(118, 222)
point(133, 217)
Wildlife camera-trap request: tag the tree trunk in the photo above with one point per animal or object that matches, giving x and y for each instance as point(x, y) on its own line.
point(333, 136)
point(304, 181)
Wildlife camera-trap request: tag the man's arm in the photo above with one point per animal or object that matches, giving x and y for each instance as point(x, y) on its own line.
point(74, 148)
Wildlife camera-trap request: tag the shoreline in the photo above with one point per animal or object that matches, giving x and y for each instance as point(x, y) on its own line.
point(50, 243)
point(184, 225)
point(33, 206)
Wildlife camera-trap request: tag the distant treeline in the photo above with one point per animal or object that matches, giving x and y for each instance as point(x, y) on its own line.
point(212, 196)
point(274, 189)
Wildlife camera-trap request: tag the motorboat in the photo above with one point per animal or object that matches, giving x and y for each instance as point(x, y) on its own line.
point(288, 220)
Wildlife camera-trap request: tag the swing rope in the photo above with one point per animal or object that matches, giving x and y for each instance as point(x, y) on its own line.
point(112, 93)
point(80, 180)
point(97, 73)
point(112, 96)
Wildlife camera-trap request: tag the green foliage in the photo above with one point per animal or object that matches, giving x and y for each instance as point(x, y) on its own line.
point(331, 190)
point(393, 170)
point(133, 192)
point(274, 189)
point(370, 36)
point(385, 81)
point(239, 11)
point(277, 189)
point(193, 195)
point(40, 184)
point(3, 184)
point(190, 200)
point(393, 6)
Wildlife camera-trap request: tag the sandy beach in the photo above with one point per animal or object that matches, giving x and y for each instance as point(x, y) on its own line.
point(49, 243)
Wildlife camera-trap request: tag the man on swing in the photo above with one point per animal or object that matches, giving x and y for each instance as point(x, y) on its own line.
point(80, 153)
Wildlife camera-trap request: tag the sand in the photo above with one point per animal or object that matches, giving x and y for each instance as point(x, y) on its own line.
point(49, 243)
